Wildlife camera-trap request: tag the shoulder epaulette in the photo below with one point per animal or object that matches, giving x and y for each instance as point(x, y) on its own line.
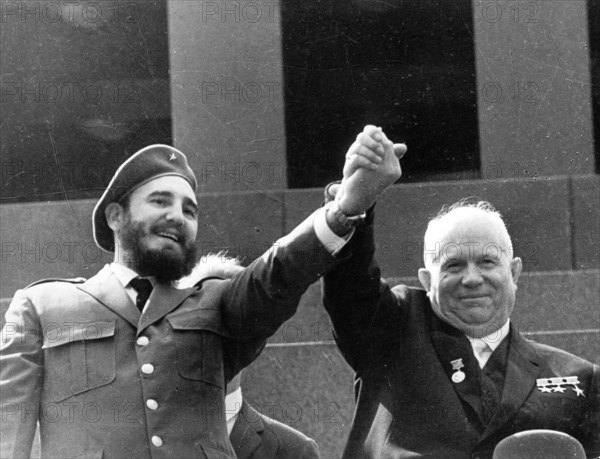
point(198, 284)
point(74, 280)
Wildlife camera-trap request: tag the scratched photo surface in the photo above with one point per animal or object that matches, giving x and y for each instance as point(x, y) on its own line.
point(494, 99)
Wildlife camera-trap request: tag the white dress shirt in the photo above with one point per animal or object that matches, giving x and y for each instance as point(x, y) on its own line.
point(332, 242)
point(233, 405)
point(483, 347)
point(125, 275)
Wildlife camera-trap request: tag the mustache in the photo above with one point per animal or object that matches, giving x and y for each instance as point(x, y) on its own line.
point(174, 230)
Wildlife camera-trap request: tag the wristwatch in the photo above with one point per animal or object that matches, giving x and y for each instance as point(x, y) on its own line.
point(347, 221)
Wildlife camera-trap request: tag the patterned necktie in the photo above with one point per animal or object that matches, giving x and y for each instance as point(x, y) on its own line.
point(143, 287)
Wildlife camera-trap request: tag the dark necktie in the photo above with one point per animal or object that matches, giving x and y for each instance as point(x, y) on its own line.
point(492, 381)
point(143, 287)
point(490, 395)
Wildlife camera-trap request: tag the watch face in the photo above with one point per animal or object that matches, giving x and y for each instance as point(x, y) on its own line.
point(356, 218)
point(348, 221)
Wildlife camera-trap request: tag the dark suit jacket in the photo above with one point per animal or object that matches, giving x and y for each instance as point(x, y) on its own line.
point(407, 405)
point(255, 436)
point(71, 358)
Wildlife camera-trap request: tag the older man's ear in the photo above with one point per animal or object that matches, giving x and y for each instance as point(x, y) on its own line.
point(425, 278)
point(516, 266)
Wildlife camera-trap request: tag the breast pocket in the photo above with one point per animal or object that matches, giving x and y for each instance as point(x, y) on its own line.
point(199, 344)
point(78, 357)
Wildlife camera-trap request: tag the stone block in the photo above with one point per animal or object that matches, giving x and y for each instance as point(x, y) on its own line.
point(586, 221)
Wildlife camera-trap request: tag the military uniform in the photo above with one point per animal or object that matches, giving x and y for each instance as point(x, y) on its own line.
point(105, 381)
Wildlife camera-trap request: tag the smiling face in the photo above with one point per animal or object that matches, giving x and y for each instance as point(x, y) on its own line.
point(470, 275)
point(155, 230)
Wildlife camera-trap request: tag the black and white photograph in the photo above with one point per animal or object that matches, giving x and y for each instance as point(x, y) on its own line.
point(284, 229)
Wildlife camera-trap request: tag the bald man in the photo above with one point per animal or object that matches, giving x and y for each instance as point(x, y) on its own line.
point(256, 436)
point(441, 371)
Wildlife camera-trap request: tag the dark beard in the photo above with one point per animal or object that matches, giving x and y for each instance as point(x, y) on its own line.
point(165, 266)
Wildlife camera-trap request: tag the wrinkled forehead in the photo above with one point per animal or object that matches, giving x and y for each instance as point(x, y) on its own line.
point(467, 234)
point(467, 251)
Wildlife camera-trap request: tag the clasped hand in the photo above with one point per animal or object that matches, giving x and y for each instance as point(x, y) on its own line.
point(372, 165)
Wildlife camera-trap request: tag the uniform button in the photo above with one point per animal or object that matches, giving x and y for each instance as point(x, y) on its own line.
point(152, 404)
point(142, 341)
point(147, 369)
point(157, 441)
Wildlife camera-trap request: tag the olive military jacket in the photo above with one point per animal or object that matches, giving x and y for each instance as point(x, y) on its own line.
point(105, 381)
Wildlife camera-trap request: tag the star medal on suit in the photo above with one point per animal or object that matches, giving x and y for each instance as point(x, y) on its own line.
point(556, 385)
point(458, 376)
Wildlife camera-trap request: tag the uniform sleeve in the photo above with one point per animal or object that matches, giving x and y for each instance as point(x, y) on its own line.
point(364, 312)
point(21, 373)
point(267, 293)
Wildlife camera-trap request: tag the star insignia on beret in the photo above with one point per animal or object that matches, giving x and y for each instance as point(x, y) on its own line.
point(173, 157)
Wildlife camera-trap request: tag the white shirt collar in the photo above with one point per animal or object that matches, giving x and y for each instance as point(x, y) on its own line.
point(233, 405)
point(123, 273)
point(494, 339)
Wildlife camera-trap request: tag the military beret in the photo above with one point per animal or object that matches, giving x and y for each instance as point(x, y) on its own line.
point(143, 166)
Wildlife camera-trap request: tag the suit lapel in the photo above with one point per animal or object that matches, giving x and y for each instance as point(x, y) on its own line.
point(106, 288)
point(163, 299)
point(245, 436)
point(523, 367)
point(450, 345)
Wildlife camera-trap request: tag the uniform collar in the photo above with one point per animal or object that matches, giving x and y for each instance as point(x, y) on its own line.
point(123, 273)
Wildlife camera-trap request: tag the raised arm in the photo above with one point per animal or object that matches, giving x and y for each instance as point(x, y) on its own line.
point(267, 293)
point(361, 306)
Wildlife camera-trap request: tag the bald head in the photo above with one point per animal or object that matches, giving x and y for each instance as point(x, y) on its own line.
point(462, 219)
point(470, 274)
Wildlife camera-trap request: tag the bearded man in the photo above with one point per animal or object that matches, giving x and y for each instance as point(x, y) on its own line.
point(127, 365)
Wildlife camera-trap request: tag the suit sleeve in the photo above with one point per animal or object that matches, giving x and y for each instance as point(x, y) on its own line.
point(267, 293)
point(365, 314)
point(290, 443)
point(21, 374)
point(591, 442)
point(311, 450)
point(294, 448)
